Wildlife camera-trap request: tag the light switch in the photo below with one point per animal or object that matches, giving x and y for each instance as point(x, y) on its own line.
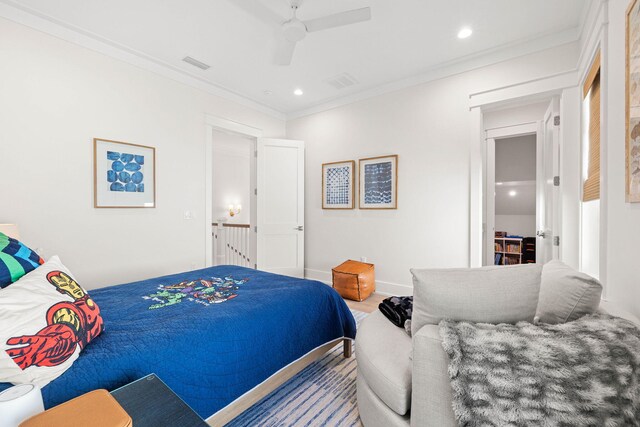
point(188, 215)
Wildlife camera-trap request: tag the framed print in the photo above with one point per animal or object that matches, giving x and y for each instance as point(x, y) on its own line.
point(338, 185)
point(379, 182)
point(633, 103)
point(124, 175)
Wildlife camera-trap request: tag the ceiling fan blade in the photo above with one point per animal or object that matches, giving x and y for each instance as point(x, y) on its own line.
point(339, 19)
point(284, 51)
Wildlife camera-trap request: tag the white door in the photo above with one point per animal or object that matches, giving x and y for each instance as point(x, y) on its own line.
point(490, 202)
point(280, 202)
point(549, 228)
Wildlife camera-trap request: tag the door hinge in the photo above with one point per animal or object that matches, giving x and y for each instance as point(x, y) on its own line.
point(255, 191)
point(556, 120)
point(556, 181)
point(255, 266)
point(556, 240)
point(255, 153)
point(255, 229)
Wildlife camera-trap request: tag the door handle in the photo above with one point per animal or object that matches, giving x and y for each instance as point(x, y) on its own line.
point(299, 228)
point(541, 233)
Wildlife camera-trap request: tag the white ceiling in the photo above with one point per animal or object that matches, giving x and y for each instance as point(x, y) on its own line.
point(405, 38)
point(522, 203)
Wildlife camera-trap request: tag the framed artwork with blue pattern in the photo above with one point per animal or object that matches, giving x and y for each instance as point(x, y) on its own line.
point(379, 182)
point(124, 175)
point(338, 185)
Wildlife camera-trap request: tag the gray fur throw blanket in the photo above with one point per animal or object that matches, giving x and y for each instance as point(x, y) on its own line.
point(581, 373)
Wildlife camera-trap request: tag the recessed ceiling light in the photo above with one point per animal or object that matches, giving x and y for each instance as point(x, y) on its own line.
point(268, 92)
point(513, 193)
point(298, 92)
point(464, 33)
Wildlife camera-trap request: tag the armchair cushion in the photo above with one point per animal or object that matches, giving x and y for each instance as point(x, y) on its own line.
point(488, 294)
point(566, 294)
point(382, 352)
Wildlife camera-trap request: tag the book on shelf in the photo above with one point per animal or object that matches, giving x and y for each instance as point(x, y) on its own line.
point(511, 260)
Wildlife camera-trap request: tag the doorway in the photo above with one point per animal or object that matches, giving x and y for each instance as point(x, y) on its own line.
point(275, 226)
point(521, 215)
point(515, 200)
point(233, 204)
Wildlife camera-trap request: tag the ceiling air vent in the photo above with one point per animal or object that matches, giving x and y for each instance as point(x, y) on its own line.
point(342, 81)
point(196, 63)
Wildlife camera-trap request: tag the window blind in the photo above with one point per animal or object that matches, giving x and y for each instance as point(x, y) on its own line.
point(591, 90)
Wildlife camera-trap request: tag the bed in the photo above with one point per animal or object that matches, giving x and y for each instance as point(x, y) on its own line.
point(216, 336)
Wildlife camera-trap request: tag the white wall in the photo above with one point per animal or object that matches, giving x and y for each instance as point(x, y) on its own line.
point(516, 159)
point(519, 225)
point(429, 127)
point(590, 229)
point(622, 219)
point(231, 177)
point(56, 97)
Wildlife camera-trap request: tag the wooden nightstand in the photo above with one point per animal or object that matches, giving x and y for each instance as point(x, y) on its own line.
point(150, 402)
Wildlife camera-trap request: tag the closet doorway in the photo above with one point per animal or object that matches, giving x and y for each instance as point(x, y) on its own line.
point(521, 177)
point(515, 200)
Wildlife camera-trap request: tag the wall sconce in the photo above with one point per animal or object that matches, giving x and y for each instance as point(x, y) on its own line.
point(234, 210)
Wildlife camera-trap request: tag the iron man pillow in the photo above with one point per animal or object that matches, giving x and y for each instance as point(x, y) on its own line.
point(46, 319)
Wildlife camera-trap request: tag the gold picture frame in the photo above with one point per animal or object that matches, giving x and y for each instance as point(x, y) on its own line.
point(378, 187)
point(124, 175)
point(632, 103)
point(338, 185)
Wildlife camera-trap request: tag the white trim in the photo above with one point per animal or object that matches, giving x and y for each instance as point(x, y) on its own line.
point(548, 85)
point(225, 125)
point(597, 39)
point(489, 211)
point(461, 65)
point(513, 131)
point(382, 288)
point(477, 228)
point(29, 17)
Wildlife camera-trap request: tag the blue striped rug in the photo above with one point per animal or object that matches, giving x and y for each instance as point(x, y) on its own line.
point(322, 394)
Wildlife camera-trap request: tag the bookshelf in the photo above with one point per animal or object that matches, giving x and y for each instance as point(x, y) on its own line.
point(508, 250)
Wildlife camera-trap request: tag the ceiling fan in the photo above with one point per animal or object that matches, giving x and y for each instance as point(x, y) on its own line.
point(294, 30)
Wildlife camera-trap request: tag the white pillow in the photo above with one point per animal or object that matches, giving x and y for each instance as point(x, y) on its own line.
point(46, 319)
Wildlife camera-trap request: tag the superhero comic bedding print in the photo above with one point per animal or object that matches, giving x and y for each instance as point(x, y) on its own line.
point(208, 352)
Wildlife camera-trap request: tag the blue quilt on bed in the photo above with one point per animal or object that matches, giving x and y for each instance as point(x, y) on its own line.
point(210, 340)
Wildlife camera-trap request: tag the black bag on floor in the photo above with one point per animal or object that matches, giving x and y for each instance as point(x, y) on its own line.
point(397, 309)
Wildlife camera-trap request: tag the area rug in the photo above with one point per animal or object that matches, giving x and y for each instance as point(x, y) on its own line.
point(323, 394)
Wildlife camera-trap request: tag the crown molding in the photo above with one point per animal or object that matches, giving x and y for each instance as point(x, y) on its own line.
point(16, 12)
point(468, 63)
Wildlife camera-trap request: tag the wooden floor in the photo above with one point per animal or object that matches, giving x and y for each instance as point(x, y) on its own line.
point(368, 305)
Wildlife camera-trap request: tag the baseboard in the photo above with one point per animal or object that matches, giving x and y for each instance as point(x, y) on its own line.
point(382, 288)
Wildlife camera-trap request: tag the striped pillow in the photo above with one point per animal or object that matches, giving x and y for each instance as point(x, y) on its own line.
point(16, 260)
